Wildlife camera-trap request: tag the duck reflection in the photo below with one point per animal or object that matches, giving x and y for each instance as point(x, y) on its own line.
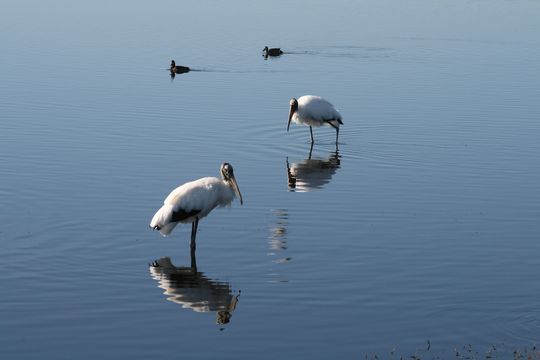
point(191, 289)
point(311, 174)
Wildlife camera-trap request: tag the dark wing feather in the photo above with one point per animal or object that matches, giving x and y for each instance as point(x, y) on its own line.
point(181, 214)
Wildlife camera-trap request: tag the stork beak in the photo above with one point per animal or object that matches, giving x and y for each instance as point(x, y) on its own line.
point(236, 190)
point(291, 113)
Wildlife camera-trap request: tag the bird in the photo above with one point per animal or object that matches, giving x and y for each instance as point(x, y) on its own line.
point(177, 69)
point(314, 111)
point(271, 52)
point(194, 200)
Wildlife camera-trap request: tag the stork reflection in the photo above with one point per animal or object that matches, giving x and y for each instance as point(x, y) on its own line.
point(277, 239)
point(191, 289)
point(312, 174)
point(277, 246)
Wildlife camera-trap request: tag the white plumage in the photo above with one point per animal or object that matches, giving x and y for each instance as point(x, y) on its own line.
point(314, 111)
point(194, 200)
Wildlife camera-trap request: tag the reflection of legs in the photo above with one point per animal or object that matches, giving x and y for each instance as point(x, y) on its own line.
point(194, 233)
point(290, 177)
point(311, 132)
point(288, 167)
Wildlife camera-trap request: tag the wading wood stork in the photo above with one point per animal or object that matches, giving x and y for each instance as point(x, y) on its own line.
point(271, 52)
point(194, 200)
point(314, 111)
point(177, 69)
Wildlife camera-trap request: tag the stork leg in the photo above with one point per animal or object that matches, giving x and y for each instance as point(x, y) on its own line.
point(329, 122)
point(310, 151)
point(193, 261)
point(311, 132)
point(194, 234)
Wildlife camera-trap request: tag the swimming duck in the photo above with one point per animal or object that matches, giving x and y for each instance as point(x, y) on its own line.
point(178, 69)
point(272, 51)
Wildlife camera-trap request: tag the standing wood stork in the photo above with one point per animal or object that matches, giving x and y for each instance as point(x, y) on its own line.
point(194, 200)
point(178, 69)
point(314, 111)
point(271, 52)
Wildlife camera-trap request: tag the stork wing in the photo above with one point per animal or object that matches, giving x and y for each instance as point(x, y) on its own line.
point(181, 214)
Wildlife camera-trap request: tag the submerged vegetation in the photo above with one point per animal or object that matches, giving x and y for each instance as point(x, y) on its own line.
point(465, 352)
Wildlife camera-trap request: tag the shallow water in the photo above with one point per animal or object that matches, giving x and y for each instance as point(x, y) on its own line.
point(422, 225)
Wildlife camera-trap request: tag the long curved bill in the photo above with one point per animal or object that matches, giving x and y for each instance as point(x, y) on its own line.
point(291, 112)
point(237, 190)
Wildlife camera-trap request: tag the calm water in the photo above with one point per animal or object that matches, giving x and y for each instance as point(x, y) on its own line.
point(422, 226)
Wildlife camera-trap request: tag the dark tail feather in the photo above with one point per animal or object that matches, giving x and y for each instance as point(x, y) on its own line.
point(340, 122)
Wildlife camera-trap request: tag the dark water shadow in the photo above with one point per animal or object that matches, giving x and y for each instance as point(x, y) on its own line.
point(312, 174)
point(191, 289)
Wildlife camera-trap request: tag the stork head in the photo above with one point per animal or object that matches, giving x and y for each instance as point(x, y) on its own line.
point(265, 49)
point(293, 108)
point(228, 175)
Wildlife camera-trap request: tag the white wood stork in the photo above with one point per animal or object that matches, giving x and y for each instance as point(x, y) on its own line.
point(314, 111)
point(194, 200)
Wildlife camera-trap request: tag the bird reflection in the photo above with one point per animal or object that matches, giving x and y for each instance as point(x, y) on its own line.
point(191, 289)
point(277, 246)
point(277, 240)
point(311, 174)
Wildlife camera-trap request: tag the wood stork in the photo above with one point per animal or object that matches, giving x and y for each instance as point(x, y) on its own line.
point(271, 52)
point(314, 111)
point(194, 200)
point(177, 69)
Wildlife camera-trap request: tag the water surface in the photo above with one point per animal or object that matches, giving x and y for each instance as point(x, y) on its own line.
point(422, 225)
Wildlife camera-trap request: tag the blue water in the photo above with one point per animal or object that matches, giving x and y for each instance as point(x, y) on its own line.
point(421, 226)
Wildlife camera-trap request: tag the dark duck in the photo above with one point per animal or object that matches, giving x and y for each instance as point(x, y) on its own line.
point(177, 69)
point(271, 52)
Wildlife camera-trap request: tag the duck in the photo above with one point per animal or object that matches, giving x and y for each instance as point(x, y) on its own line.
point(271, 52)
point(178, 69)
